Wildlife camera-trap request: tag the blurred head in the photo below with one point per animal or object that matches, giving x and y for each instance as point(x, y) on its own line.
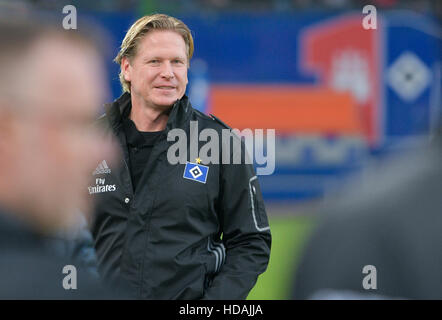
point(154, 57)
point(51, 87)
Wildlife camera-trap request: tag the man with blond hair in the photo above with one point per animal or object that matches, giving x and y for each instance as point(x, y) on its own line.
point(163, 231)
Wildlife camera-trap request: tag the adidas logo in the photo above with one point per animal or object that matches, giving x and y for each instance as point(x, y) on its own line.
point(102, 168)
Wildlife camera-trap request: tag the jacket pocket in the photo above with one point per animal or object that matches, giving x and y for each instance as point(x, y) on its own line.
point(195, 288)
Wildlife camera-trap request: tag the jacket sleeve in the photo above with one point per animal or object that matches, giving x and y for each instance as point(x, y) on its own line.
point(246, 233)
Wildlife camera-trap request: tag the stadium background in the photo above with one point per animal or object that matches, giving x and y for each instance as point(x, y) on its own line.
point(339, 96)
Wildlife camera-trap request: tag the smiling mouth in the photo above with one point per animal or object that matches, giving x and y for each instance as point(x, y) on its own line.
point(165, 88)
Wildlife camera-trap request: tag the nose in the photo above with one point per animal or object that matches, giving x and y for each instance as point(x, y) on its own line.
point(167, 70)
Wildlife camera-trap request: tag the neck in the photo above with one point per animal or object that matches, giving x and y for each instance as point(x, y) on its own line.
point(147, 117)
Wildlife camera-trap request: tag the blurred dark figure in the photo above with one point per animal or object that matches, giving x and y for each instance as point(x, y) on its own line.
point(393, 223)
point(50, 89)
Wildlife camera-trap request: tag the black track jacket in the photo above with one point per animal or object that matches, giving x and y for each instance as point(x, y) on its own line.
point(178, 238)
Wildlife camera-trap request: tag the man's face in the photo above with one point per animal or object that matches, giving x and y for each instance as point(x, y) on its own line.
point(158, 72)
point(53, 147)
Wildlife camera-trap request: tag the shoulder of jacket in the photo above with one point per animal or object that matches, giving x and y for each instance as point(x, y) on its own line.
point(102, 121)
point(219, 121)
point(210, 119)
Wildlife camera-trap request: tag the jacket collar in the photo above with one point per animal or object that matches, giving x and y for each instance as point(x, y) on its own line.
point(120, 108)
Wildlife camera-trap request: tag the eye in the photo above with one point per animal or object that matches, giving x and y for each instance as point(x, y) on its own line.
point(154, 61)
point(177, 61)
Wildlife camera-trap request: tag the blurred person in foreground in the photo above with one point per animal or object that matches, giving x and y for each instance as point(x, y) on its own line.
point(50, 87)
point(382, 240)
point(195, 230)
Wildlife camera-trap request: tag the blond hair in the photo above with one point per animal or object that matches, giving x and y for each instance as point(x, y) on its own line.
point(140, 28)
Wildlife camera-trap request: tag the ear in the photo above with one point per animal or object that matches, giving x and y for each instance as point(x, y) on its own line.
point(187, 72)
point(126, 68)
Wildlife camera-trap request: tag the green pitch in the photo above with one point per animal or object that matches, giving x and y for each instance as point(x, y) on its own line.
point(288, 238)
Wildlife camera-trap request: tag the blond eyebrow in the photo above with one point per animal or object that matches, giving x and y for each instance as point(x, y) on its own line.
point(147, 59)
